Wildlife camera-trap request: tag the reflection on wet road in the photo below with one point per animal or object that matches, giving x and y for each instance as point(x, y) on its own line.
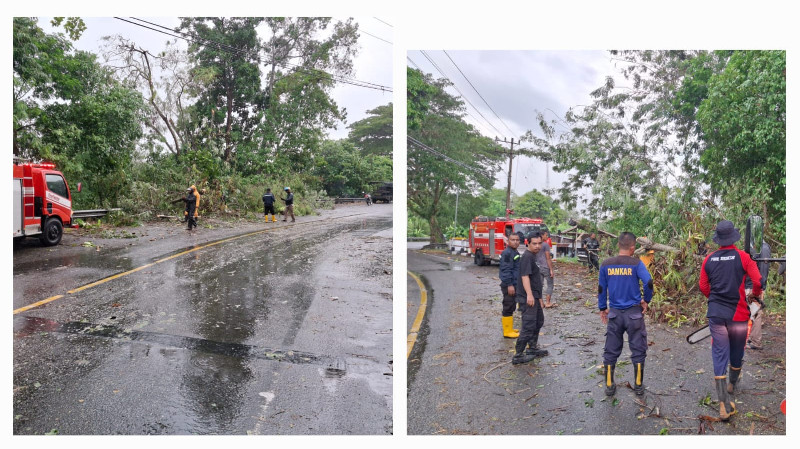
point(194, 345)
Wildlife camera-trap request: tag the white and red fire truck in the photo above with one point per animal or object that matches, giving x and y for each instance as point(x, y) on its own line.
point(488, 235)
point(42, 202)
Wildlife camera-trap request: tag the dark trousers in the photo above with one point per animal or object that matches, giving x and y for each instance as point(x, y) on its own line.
point(269, 210)
point(509, 302)
point(593, 262)
point(630, 320)
point(728, 338)
point(532, 322)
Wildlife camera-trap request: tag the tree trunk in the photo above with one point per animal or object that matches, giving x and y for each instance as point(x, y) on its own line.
point(436, 231)
point(229, 120)
point(648, 244)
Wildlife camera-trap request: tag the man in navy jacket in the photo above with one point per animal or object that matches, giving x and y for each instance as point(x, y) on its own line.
point(619, 298)
point(509, 271)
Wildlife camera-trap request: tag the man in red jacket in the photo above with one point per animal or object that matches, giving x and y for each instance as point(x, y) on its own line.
point(722, 281)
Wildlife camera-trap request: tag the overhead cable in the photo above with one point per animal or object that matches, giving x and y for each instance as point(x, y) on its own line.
point(441, 72)
point(239, 52)
point(424, 147)
point(476, 91)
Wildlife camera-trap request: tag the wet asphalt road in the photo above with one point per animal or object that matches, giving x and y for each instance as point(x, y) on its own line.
point(283, 332)
point(460, 380)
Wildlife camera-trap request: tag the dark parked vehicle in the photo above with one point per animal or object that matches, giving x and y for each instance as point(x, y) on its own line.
point(382, 192)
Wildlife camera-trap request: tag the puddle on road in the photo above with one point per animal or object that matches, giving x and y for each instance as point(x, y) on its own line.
point(25, 326)
point(256, 288)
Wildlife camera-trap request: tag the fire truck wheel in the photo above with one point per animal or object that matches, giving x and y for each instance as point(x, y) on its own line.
point(479, 259)
point(52, 232)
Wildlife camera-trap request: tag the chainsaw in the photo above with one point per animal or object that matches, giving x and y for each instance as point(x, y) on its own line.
point(701, 334)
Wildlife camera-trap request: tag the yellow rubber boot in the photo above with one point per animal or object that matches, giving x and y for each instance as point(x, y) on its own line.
point(274, 219)
point(508, 327)
point(266, 220)
point(727, 408)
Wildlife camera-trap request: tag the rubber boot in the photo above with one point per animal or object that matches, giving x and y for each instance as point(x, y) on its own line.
point(533, 348)
point(508, 327)
point(733, 379)
point(266, 220)
point(520, 357)
point(608, 375)
point(726, 407)
point(638, 381)
point(274, 219)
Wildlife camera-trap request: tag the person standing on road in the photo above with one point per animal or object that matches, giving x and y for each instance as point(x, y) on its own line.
point(191, 208)
point(545, 262)
point(289, 200)
point(722, 282)
point(754, 342)
point(592, 247)
point(509, 272)
point(269, 205)
point(368, 198)
point(622, 308)
point(529, 300)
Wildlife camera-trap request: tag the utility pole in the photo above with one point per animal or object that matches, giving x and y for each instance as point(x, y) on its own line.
point(510, 162)
point(455, 219)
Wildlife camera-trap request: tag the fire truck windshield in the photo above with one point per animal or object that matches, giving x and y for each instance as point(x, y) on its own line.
point(527, 228)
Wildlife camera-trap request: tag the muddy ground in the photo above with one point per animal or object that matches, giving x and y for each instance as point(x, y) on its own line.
point(461, 380)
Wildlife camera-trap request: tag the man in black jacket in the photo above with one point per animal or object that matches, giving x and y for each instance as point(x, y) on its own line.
point(269, 205)
point(529, 301)
point(593, 247)
point(191, 204)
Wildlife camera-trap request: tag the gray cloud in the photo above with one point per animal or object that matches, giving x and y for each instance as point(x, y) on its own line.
point(518, 83)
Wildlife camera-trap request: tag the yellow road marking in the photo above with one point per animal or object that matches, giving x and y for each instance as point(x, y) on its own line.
point(37, 304)
point(423, 304)
point(119, 275)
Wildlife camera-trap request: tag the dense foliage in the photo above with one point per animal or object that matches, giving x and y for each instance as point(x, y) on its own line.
point(455, 158)
point(235, 114)
point(699, 133)
point(699, 137)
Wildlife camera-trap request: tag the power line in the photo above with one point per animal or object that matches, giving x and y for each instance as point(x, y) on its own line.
point(183, 36)
point(477, 122)
point(459, 91)
point(476, 91)
point(239, 52)
point(376, 37)
point(385, 23)
point(422, 146)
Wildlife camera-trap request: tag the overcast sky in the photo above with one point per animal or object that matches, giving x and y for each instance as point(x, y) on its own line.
point(373, 62)
point(516, 84)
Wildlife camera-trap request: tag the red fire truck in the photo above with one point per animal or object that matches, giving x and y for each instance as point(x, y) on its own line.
point(488, 235)
point(42, 202)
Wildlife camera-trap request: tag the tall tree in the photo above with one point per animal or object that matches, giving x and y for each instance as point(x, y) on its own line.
point(535, 204)
point(69, 109)
point(374, 133)
point(227, 51)
point(744, 126)
point(669, 145)
point(36, 62)
point(166, 83)
point(418, 97)
point(455, 156)
point(305, 57)
point(344, 171)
